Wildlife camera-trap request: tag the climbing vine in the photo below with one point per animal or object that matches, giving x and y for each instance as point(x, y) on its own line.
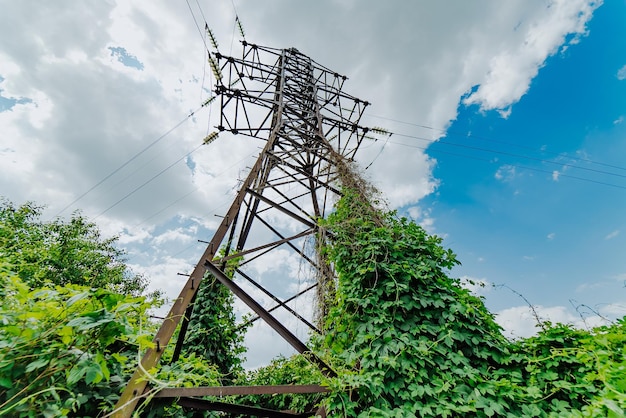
point(213, 332)
point(411, 341)
point(414, 342)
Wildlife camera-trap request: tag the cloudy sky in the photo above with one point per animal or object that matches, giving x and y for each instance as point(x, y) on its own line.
point(507, 117)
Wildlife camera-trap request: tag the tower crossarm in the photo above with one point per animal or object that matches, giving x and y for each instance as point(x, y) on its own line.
point(248, 98)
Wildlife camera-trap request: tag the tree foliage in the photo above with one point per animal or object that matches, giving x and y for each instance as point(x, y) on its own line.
point(61, 252)
point(72, 322)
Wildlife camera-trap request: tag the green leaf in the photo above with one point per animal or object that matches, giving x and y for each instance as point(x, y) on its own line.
point(93, 374)
point(76, 373)
point(77, 297)
point(614, 407)
point(37, 364)
point(6, 382)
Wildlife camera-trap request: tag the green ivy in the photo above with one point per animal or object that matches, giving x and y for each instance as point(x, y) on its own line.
point(407, 340)
point(213, 333)
point(414, 341)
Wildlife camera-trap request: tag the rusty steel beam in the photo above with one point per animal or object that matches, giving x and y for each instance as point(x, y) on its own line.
point(272, 244)
point(249, 411)
point(277, 300)
point(138, 381)
point(272, 309)
point(294, 341)
point(238, 390)
point(284, 210)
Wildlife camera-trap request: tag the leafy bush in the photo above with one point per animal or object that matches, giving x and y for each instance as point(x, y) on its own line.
point(65, 350)
point(295, 370)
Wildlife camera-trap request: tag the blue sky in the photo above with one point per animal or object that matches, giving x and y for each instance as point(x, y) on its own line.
point(528, 90)
point(551, 240)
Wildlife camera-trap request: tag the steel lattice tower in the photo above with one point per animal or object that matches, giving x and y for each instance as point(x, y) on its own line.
point(308, 124)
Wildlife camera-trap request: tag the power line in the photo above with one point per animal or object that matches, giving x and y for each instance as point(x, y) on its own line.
point(197, 26)
point(430, 149)
point(155, 141)
point(141, 186)
point(379, 153)
point(151, 144)
point(201, 12)
point(167, 207)
point(509, 154)
point(134, 157)
point(484, 138)
point(193, 191)
point(512, 165)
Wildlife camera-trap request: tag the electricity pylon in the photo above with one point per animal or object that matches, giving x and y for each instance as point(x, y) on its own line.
point(308, 124)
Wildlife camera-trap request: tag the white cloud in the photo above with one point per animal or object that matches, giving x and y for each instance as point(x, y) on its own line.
point(614, 310)
point(511, 70)
point(398, 189)
point(131, 235)
point(90, 113)
point(279, 260)
point(504, 114)
point(521, 321)
point(618, 120)
point(555, 175)
point(621, 73)
point(551, 236)
point(506, 173)
point(478, 287)
point(105, 111)
point(177, 234)
point(423, 218)
point(612, 234)
point(163, 275)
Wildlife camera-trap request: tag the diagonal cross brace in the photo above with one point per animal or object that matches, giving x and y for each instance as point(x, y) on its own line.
point(267, 317)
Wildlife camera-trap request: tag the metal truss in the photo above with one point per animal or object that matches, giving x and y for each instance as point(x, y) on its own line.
point(298, 108)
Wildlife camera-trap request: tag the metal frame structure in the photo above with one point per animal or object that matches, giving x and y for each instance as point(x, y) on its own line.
point(297, 107)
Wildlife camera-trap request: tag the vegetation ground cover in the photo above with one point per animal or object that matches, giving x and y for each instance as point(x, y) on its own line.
point(405, 339)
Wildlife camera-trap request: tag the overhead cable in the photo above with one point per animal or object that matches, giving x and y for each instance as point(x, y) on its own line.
point(134, 157)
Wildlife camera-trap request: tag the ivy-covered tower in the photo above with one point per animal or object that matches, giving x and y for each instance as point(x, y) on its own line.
point(308, 124)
